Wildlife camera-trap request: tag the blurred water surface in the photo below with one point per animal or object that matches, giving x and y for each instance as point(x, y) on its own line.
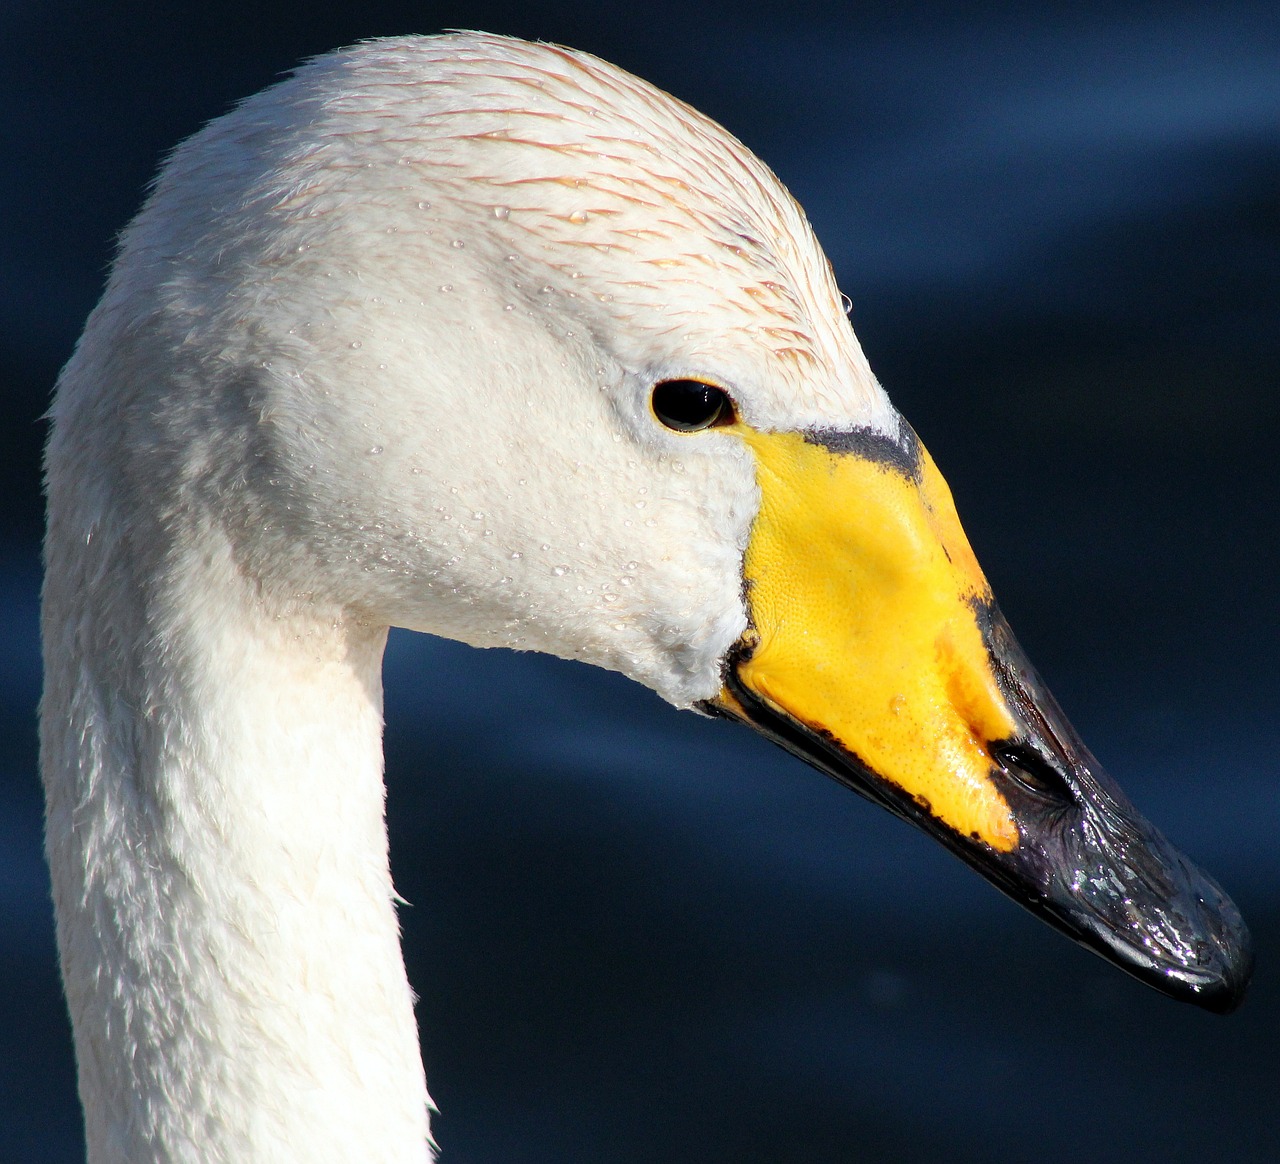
point(639, 935)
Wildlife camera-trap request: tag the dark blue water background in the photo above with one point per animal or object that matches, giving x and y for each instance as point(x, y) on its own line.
point(641, 936)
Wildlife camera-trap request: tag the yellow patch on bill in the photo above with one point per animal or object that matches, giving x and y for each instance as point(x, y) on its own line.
point(863, 590)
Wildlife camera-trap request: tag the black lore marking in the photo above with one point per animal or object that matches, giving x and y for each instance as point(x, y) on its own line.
point(899, 451)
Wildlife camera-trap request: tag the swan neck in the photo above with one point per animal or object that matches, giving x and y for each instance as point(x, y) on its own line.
point(226, 921)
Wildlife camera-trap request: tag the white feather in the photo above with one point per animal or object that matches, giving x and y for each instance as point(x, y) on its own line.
point(377, 351)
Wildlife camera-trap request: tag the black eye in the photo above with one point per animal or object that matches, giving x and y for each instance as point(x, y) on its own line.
point(689, 406)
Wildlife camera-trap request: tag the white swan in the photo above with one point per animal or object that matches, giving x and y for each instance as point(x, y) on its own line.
point(492, 340)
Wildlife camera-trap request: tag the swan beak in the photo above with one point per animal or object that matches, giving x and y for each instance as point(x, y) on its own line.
point(877, 654)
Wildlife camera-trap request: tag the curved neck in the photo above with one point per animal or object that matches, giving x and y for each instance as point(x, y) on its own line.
point(226, 919)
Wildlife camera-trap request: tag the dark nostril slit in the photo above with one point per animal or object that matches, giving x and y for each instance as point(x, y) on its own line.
point(1033, 772)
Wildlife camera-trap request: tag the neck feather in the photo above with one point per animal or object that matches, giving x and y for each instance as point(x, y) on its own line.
point(226, 919)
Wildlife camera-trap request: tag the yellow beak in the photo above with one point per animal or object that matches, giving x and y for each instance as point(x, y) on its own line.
point(876, 652)
point(865, 599)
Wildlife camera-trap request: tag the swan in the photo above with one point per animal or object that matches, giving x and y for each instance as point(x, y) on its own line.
point(492, 340)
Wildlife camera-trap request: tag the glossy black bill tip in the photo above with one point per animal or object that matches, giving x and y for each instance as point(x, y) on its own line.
point(1107, 878)
point(1094, 867)
point(1087, 862)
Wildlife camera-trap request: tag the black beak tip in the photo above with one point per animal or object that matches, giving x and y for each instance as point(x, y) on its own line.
point(1223, 988)
point(1222, 997)
point(1220, 976)
point(1214, 959)
point(1219, 993)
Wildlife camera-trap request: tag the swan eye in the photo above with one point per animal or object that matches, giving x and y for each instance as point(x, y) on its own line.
point(690, 406)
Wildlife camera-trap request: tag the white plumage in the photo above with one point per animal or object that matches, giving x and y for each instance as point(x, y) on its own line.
point(381, 349)
point(377, 351)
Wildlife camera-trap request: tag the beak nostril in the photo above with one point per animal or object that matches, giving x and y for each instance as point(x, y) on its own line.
point(1034, 773)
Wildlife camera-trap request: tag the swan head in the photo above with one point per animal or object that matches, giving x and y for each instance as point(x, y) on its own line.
point(492, 340)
